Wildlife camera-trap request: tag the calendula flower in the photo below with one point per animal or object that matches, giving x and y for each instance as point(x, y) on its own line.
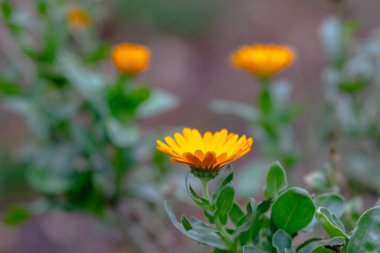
point(263, 61)
point(78, 18)
point(130, 59)
point(205, 154)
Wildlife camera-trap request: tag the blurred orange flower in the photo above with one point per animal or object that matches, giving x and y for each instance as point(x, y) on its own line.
point(206, 154)
point(130, 59)
point(78, 18)
point(263, 61)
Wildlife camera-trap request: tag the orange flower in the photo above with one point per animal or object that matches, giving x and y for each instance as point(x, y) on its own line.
point(130, 59)
point(263, 61)
point(206, 154)
point(78, 18)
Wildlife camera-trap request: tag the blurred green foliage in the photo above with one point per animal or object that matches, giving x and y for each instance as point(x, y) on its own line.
point(184, 18)
point(84, 122)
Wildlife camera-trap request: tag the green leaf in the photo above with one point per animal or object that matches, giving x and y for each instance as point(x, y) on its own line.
point(330, 223)
point(236, 214)
point(17, 215)
point(201, 202)
point(122, 135)
point(366, 235)
point(185, 223)
point(282, 242)
point(9, 87)
point(316, 243)
point(332, 201)
point(224, 203)
point(100, 53)
point(252, 249)
point(200, 232)
point(241, 110)
point(293, 210)
point(276, 180)
point(6, 8)
point(226, 177)
point(159, 102)
point(322, 249)
point(123, 103)
point(352, 86)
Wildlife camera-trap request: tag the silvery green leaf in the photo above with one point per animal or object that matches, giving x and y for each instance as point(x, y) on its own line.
point(122, 135)
point(241, 110)
point(36, 122)
point(250, 179)
point(159, 102)
point(89, 84)
point(281, 91)
point(332, 37)
point(200, 232)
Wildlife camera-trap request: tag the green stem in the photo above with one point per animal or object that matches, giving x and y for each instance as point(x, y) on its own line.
point(222, 232)
point(205, 193)
point(265, 98)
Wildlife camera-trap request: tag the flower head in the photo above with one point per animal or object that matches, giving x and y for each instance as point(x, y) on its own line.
point(206, 154)
point(78, 18)
point(130, 59)
point(263, 61)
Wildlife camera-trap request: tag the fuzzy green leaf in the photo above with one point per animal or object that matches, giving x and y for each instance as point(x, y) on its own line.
point(276, 180)
point(200, 232)
point(293, 210)
point(282, 242)
point(366, 234)
point(330, 223)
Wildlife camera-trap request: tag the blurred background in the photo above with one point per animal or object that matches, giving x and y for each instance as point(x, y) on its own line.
point(191, 43)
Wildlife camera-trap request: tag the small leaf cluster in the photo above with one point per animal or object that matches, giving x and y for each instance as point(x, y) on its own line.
point(273, 224)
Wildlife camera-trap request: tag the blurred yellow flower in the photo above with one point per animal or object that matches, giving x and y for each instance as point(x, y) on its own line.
point(130, 59)
point(206, 154)
point(78, 18)
point(263, 61)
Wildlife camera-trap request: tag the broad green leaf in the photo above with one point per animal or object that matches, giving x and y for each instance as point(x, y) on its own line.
point(352, 212)
point(315, 243)
point(276, 180)
point(330, 223)
point(224, 203)
point(16, 215)
point(366, 235)
point(200, 232)
point(282, 242)
point(332, 202)
point(236, 214)
point(293, 210)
